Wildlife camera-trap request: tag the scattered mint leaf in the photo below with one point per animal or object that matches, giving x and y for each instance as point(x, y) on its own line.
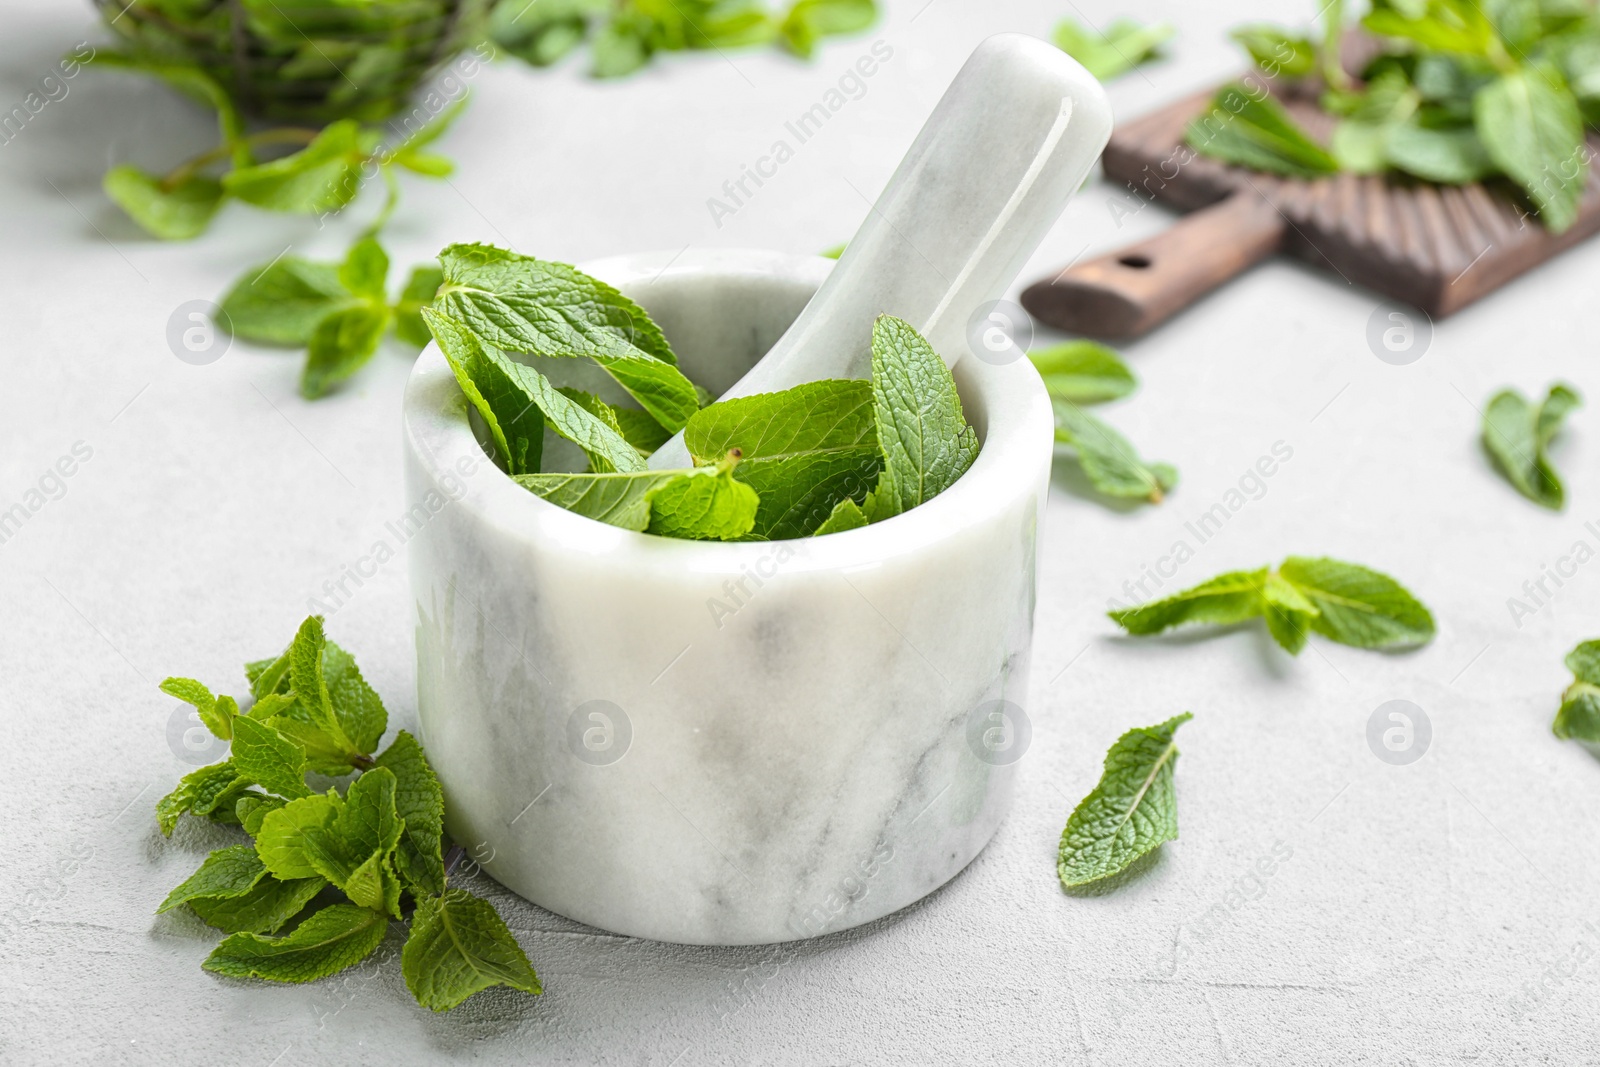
point(337, 937)
point(1357, 606)
point(1518, 437)
point(521, 304)
point(282, 302)
point(1532, 127)
point(1257, 133)
point(458, 946)
point(1108, 458)
point(251, 808)
point(1289, 613)
point(1344, 602)
point(341, 344)
point(266, 758)
point(926, 442)
point(1579, 715)
point(227, 872)
point(173, 212)
point(1083, 372)
point(1132, 811)
point(1121, 46)
point(1226, 599)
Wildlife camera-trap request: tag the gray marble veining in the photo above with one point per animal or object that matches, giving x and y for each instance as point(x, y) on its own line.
point(723, 743)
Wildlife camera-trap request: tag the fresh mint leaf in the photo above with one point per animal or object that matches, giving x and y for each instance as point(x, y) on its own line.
point(708, 504)
point(219, 722)
point(515, 422)
point(1278, 53)
point(808, 21)
point(521, 304)
point(324, 176)
point(1108, 458)
point(458, 946)
point(1361, 142)
point(1121, 46)
point(253, 807)
point(296, 840)
point(1450, 155)
point(365, 269)
point(1518, 435)
point(1532, 127)
point(337, 937)
point(641, 430)
point(802, 450)
point(264, 909)
point(1344, 602)
point(617, 499)
point(311, 720)
point(1579, 715)
point(227, 872)
point(619, 48)
point(356, 707)
point(172, 212)
point(1257, 133)
point(1083, 372)
point(1357, 606)
point(846, 515)
point(418, 294)
point(1458, 26)
point(1130, 812)
point(282, 302)
point(341, 344)
point(604, 413)
point(488, 367)
point(268, 759)
point(926, 442)
point(419, 802)
point(209, 793)
point(1226, 599)
point(1288, 612)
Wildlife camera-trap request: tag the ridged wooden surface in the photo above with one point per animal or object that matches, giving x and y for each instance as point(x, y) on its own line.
point(1438, 247)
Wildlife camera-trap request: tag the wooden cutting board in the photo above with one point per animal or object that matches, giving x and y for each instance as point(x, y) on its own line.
point(1435, 247)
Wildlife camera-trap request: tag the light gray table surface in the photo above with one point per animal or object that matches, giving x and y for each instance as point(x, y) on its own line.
point(1440, 912)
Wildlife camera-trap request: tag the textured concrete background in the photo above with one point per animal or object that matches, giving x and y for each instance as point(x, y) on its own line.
point(1426, 914)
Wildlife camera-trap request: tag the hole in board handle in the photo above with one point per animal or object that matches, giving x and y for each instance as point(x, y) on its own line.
point(1136, 262)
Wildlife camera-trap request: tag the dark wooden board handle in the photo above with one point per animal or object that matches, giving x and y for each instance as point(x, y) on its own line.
point(1130, 291)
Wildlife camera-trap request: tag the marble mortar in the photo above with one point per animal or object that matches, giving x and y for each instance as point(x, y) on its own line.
point(717, 743)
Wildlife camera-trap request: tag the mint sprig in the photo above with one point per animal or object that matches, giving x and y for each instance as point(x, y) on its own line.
point(1518, 436)
point(1343, 602)
point(1113, 51)
point(379, 843)
point(1130, 812)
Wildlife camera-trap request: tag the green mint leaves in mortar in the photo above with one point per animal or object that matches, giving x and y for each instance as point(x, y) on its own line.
point(1518, 435)
point(1579, 715)
point(820, 458)
point(1343, 602)
point(1132, 811)
point(379, 843)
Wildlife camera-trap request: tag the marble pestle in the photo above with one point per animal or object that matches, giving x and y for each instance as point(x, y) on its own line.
point(1008, 144)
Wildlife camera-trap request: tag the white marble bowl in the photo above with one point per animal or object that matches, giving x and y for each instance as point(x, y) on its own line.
point(724, 743)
